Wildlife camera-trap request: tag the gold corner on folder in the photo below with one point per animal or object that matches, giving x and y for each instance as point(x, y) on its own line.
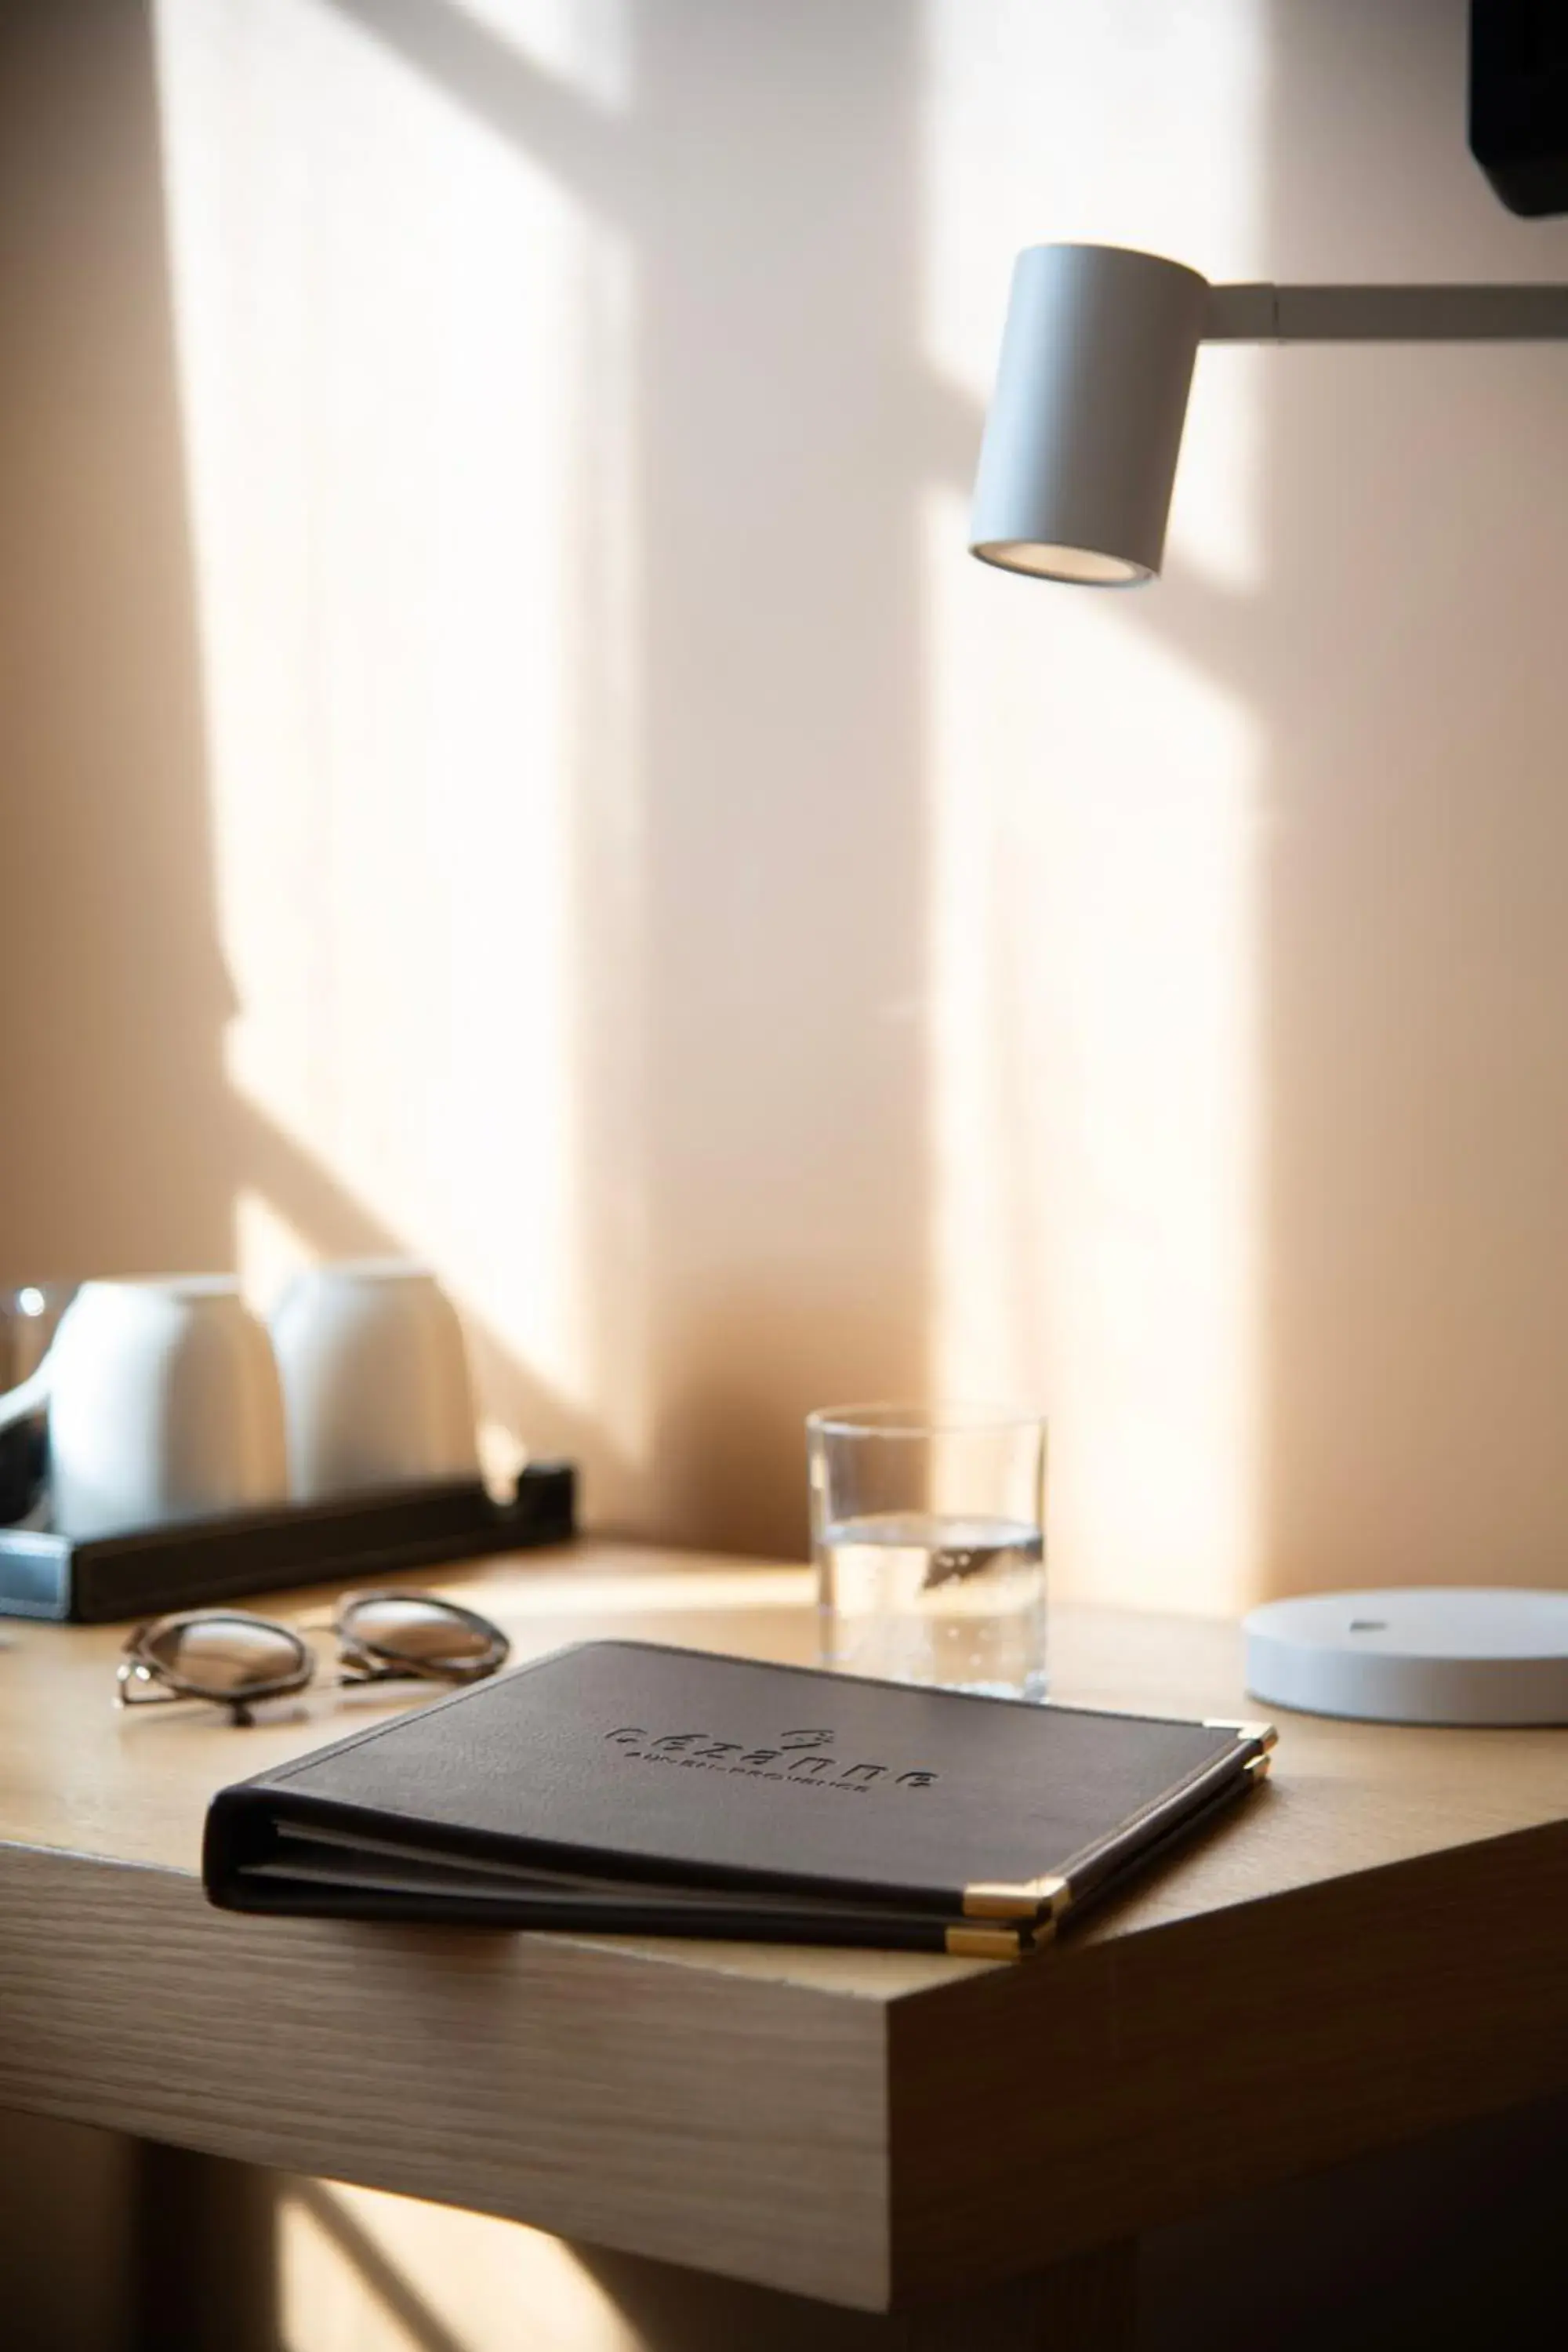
point(985, 1943)
point(1024, 1898)
point(1257, 1767)
point(1263, 1732)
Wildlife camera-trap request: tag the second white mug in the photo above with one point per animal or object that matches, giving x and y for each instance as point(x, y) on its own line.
point(376, 1390)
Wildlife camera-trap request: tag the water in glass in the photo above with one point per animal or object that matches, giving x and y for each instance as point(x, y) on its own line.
point(920, 1597)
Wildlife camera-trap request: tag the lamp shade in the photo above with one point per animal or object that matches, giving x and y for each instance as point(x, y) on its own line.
point(1085, 425)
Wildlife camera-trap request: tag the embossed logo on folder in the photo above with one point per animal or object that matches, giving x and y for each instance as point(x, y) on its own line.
point(805, 1758)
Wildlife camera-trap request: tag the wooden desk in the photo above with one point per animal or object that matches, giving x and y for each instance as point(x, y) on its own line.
point(1375, 1947)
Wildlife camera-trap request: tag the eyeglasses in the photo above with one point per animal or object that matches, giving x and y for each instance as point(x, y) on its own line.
point(234, 1659)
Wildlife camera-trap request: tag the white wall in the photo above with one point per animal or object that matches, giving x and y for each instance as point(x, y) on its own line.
point(508, 755)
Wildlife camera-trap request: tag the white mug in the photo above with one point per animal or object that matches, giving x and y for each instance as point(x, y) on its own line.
point(376, 1390)
point(164, 1405)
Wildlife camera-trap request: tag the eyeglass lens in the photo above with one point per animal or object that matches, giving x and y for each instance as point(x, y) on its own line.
point(227, 1656)
point(398, 1626)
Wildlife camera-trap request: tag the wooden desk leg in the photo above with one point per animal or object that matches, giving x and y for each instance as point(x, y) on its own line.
point(204, 2265)
point(109, 2243)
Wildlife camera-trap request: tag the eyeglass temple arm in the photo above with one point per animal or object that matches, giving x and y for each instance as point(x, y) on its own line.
point(1386, 314)
point(137, 1686)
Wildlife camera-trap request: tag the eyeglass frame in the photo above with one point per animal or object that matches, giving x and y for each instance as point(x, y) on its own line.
point(144, 1680)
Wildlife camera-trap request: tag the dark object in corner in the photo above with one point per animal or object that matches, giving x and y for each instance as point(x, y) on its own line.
point(1519, 101)
point(110, 1577)
point(23, 1466)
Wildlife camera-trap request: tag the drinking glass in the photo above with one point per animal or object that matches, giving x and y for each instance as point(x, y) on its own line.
point(928, 1530)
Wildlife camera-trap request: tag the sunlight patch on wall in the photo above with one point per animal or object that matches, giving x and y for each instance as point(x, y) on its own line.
point(1093, 1046)
point(1217, 510)
point(586, 43)
point(1092, 1027)
point(405, 362)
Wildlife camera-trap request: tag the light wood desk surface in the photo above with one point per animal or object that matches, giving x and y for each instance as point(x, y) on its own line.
point(1372, 1946)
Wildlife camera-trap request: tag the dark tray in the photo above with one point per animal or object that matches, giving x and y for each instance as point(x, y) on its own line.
point(181, 1567)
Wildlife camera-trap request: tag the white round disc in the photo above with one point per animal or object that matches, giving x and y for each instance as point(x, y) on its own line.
point(1423, 1655)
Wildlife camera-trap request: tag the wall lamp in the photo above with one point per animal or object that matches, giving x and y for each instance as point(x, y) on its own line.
point(1085, 425)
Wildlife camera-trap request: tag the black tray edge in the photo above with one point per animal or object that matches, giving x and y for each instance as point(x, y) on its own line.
point(47, 1579)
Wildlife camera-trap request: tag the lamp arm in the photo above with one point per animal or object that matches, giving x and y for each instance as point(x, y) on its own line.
point(1386, 314)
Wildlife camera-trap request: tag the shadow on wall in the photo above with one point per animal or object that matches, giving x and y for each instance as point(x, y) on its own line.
point(126, 1146)
point(780, 430)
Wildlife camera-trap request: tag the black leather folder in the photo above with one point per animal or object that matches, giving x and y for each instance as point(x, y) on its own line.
point(633, 1789)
